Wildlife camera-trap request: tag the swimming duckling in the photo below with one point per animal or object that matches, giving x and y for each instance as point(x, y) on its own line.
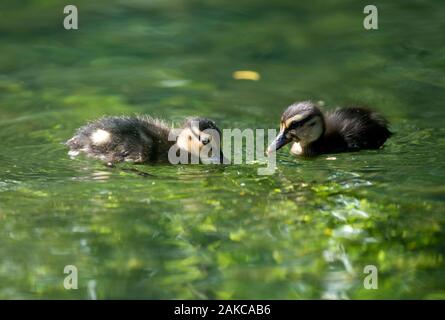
point(314, 132)
point(143, 139)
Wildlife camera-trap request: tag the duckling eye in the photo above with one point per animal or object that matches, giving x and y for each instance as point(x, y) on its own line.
point(205, 140)
point(293, 126)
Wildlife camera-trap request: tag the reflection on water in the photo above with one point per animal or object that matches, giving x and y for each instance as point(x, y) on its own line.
point(340, 274)
point(220, 231)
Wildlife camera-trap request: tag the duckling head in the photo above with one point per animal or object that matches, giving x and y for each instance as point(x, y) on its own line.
point(301, 122)
point(201, 138)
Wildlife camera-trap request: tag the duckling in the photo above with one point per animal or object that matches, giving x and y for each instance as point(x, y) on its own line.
point(142, 139)
point(315, 132)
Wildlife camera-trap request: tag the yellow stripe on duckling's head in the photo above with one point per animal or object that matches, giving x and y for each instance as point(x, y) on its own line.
point(297, 117)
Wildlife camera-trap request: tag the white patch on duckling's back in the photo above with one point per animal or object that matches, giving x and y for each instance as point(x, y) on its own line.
point(100, 137)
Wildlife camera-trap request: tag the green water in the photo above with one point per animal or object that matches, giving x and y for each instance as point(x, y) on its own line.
point(201, 231)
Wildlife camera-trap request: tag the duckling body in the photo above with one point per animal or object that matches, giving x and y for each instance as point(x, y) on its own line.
point(140, 139)
point(314, 132)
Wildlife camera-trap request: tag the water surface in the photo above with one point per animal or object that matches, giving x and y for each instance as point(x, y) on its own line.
point(205, 232)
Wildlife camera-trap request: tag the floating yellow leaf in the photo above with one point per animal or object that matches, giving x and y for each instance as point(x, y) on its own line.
point(134, 263)
point(246, 75)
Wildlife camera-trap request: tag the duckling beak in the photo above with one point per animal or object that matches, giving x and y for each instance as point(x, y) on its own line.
point(279, 142)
